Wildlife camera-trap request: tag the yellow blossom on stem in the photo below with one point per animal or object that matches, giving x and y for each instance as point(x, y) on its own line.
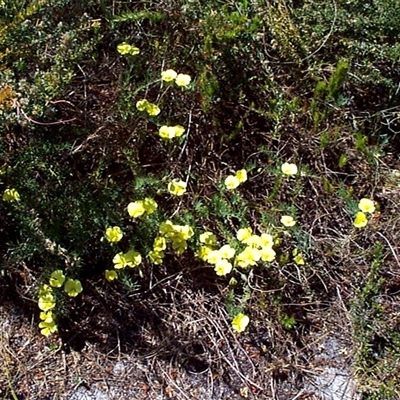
point(11, 195)
point(366, 206)
point(241, 175)
point(177, 187)
point(57, 278)
point(46, 302)
point(114, 234)
point(203, 252)
point(253, 241)
point(170, 132)
point(119, 261)
point(213, 257)
point(267, 254)
point(223, 267)
point(266, 240)
point(149, 205)
point(156, 257)
point(47, 328)
point(360, 221)
point(132, 258)
point(111, 275)
point(240, 322)
point(125, 48)
point(46, 316)
point(231, 182)
point(288, 220)
point(136, 208)
point(73, 287)
point(227, 252)
point(159, 244)
point(168, 75)
point(299, 260)
point(244, 234)
point(208, 238)
point(248, 257)
point(183, 80)
point(289, 169)
point(179, 246)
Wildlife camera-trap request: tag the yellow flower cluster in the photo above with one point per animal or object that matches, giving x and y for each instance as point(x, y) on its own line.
point(125, 48)
point(366, 206)
point(150, 108)
point(177, 234)
point(182, 80)
point(170, 132)
point(258, 247)
point(11, 195)
point(47, 300)
point(140, 207)
point(233, 181)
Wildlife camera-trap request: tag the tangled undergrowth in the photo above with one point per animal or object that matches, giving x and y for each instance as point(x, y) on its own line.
point(213, 183)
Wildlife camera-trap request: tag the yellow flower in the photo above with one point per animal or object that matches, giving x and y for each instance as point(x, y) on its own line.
point(111, 275)
point(289, 169)
point(166, 228)
point(73, 287)
point(266, 240)
point(136, 208)
point(360, 220)
point(114, 234)
point(57, 278)
point(119, 261)
point(244, 234)
point(45, 290)
point(241, 175)
point(203, 252)
point(288, 221)
point(132, 258)
point(156, 257)
point(299, 260)
point(125, 48)
point(170, 132)
point(150, 108)
point(149, 205)
point(248, 257)
point(214, 256)
point(366, 206)
point(183, 80)
point(46, 302)
point(227, 252)
point(11, 195)
point(267, 254)
point(141, 105)
point(169, 75)
point(179, 246)
point(153, 109)
point(208, 238)
point(223, 267)
point(232, 182)
point(46, 316)
point(47, 328)
point(159, 244)
point(177, 187)
point(253, 241)
point(240, 322)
